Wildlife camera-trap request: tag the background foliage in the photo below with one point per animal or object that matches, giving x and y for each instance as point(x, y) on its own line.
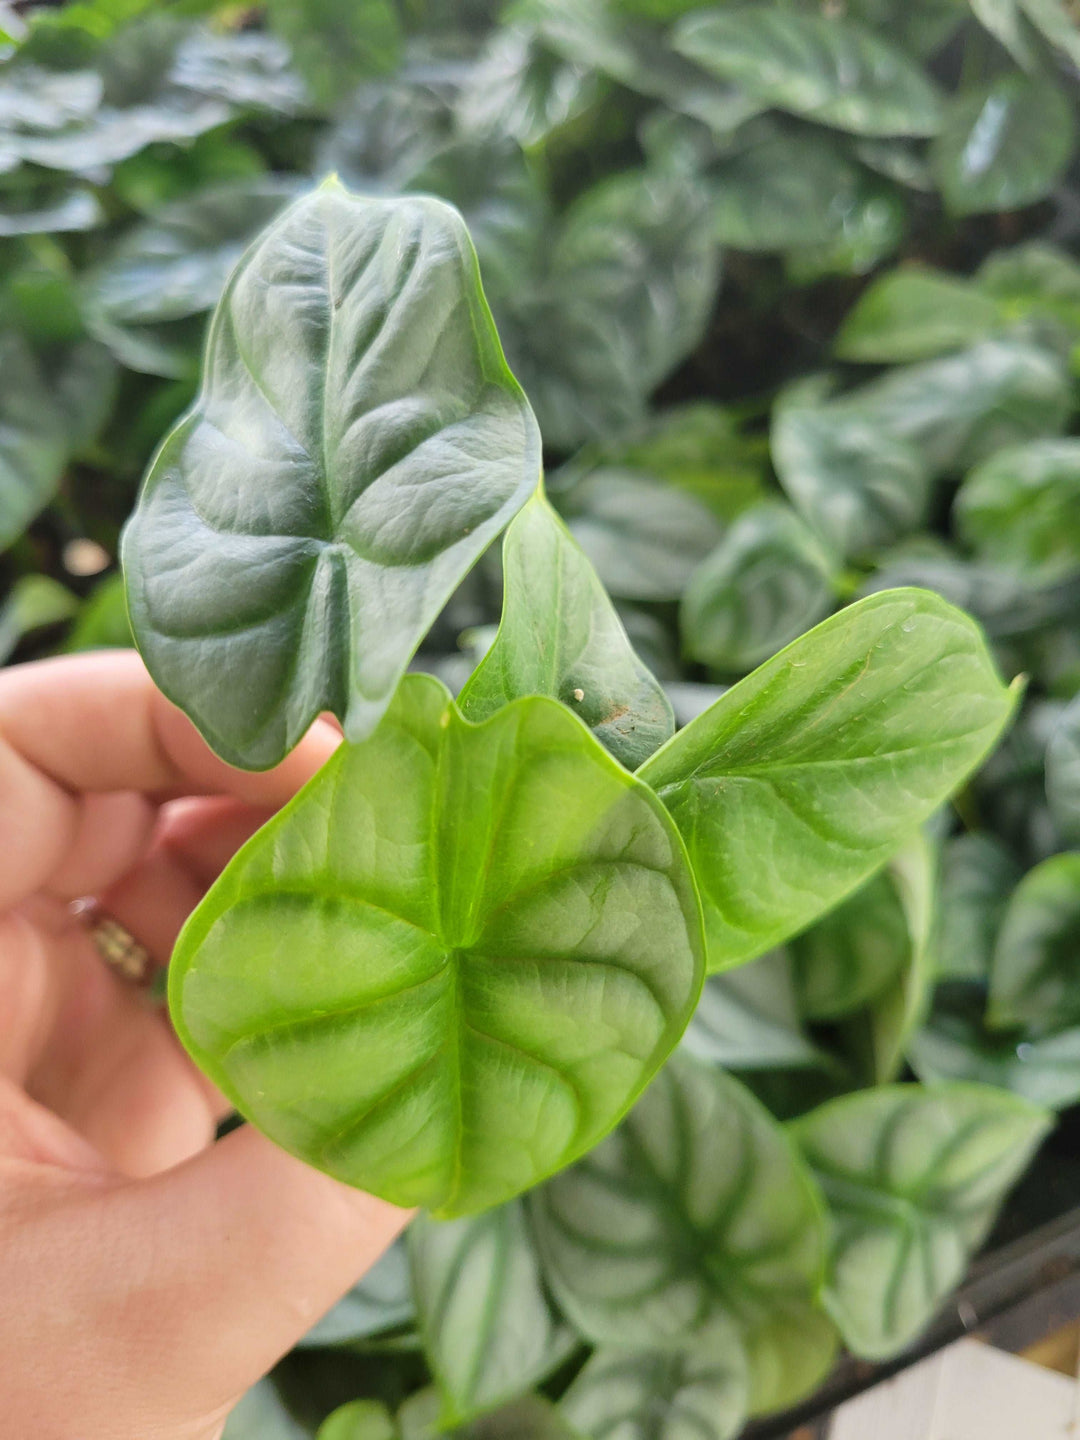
point(792, 290)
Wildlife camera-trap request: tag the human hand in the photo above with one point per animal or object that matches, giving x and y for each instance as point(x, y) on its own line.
point(147, 1275)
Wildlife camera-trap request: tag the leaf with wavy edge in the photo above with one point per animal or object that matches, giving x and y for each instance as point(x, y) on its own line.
point(357, 443)
point(561, 636)
point(696, 1209)
point(451, 963)
point(914, 1177)
point(803, 778)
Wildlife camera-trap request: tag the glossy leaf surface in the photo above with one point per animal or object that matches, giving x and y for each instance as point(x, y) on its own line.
point(695, 1209)
point(826, 69)
point(1003, 145)
point(561, 636)
point(451, 963)
point(821, 762)
point(489, 1329)
point(657, 1395)
point(913, 1178)
point(357, 443)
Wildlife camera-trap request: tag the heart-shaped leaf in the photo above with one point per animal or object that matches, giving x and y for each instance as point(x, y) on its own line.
point(1004, 144)
point(357, 443)
point(763, 584)
point(488, 1326)
point(696, 1208)
point(826, 69)
point(802, 779)
point(661, 1395)
point(1033, 976)
point(449, 965)
point(561, 636)
point(913, 1177)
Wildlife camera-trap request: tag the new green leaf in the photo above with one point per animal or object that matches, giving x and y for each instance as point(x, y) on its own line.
point(802, 779)
point(357, 443)
point(561, 636)
point(449, 965)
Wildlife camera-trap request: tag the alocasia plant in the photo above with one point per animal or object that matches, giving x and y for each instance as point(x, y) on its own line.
point(449, 968)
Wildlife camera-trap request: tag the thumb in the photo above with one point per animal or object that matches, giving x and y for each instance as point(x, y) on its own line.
point(183, 1289)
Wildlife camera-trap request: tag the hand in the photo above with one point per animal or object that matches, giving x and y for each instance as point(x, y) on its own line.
point(147, 1275)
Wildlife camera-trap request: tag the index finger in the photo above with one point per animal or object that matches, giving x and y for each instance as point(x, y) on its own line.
point(91, 723)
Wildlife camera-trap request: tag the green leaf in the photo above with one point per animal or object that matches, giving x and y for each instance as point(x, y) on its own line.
point(952, 1046)
point(337, 42)
point(851, 954)
point(803, 778)
point(781, 189)
point(913, 1177)
point(32, 603)
point(643, 536)
point(1056, 24)
point(1034, 280)
point(489, 1329)
point(748, 1019)
point(248, 69)
point(359, 1420)
point(1033, 976)
point(765, 581)
point(176, 264)
point(561, 636)
point(1063, 773)
point(102, 622)
point(515, 948)
point(41, 210)
point(977, 875)
point(1004, 20)
point(855, 484)
point(357, 443)
point(962, 408)
point(1003, 145)
point(653, 1395)
point(1021, 509)
point(700, 449)
point(914, 314)
point(261, 1415)
point(828, 70)
point(695, 1212)
point(877, 1038)
point(381, 1301)
point(519, 89)
point(625, 292)
point(530, 1418)
point(33, 439)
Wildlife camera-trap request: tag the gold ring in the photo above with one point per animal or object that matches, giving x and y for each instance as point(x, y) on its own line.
point(122, 953)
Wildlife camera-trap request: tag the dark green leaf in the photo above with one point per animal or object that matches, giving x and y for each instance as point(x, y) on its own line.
point(33, 439)
point(338, 42)
point(488, 1326)
point(763, 584)
point(851, 954)
point(561, 636)
point(856, 484)
point(803, 778)
point(1021, 509)
point(652, 1395)
point(914, 1177)
point(1063, 773)
point(1004, 144)
point(32, 603)
point(977, 876)
point(1036, 964)
point(826, 69)
point(357, 443)
point(915, 314)
point(498, 919)
point(696, 1211)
